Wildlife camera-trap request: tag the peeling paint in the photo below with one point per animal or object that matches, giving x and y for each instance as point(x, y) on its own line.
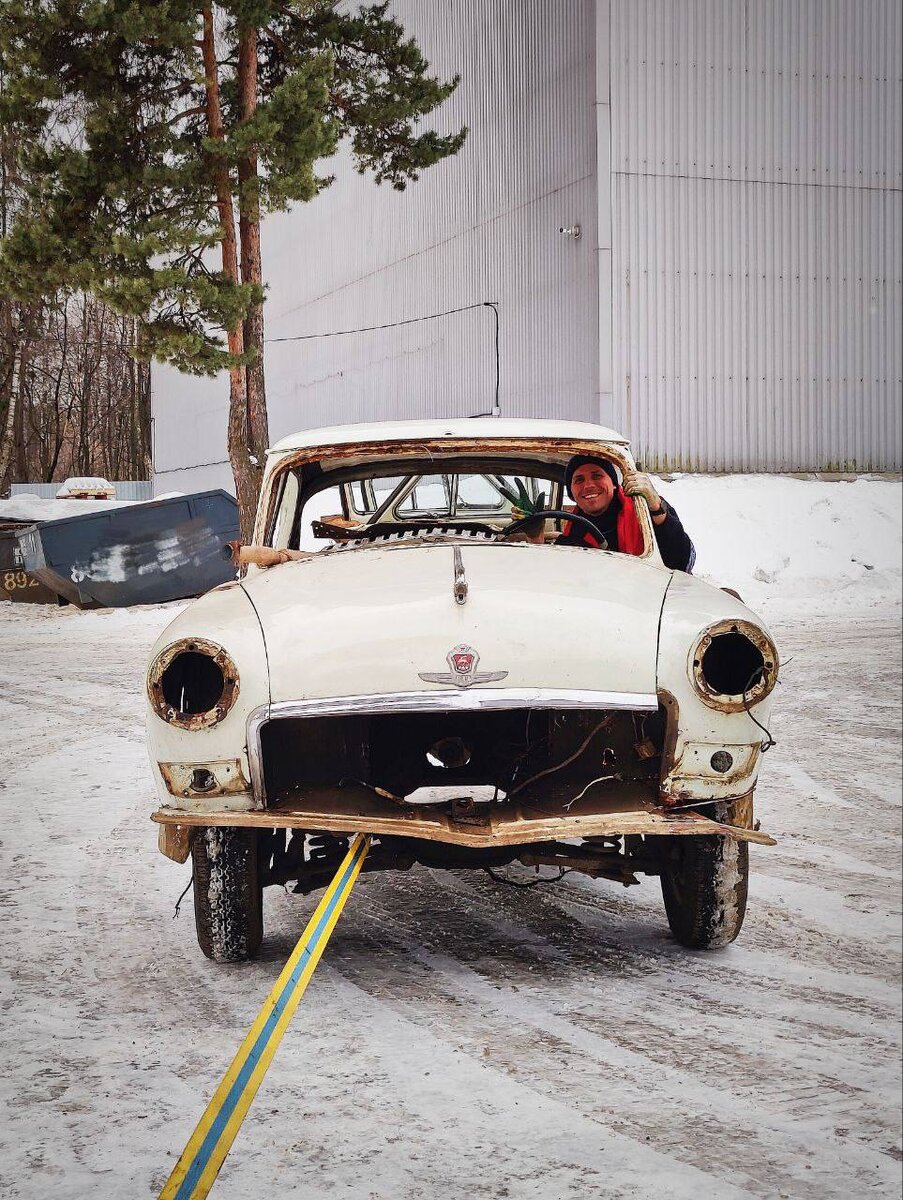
point(192, 545)
point(228, 779)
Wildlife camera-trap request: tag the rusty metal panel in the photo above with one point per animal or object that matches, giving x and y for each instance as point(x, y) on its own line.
point(355, 809)
point(757, 233)
point(125, 489)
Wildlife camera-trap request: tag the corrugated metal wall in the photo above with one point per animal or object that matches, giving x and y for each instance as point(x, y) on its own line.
point(734, 300)
point(757, 240)
point(481, 226)
point(126, 489)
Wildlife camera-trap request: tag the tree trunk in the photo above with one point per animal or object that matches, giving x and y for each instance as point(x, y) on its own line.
point(6, 442)
point(239, 433)
point(19, 321)
point(8, 351)
point(249, 235)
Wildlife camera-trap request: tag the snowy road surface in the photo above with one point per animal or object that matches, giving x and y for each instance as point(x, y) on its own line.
point(460, 1039)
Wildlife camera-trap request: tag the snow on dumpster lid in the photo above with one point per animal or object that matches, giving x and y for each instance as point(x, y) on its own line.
point(27, 509)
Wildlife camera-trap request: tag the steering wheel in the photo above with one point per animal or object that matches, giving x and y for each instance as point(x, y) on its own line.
point(544, 513)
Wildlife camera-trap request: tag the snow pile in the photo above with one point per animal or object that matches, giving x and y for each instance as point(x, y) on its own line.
point(803, 544)
point(30, 508)
point(26, 506)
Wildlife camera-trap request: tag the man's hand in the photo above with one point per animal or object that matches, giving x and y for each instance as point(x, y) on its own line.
point(534, 532)
point(637, 484)
point(523, 506)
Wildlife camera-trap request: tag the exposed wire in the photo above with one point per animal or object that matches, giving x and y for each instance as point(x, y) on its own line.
point(562, 871)
point(753, 679)
point(220, 462)
point(692, 804)
point(305, 337)
point(371, 787)
point(496, 408)
point(521, 758)
point(550, 770)
point(582, 793)
point(181, 898)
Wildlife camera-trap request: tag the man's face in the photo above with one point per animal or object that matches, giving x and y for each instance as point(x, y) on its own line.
point(592, 489)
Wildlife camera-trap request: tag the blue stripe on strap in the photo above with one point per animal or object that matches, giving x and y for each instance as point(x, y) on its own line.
point(234, 1094)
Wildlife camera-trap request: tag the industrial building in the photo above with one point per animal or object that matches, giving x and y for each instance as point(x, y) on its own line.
point(685, 215)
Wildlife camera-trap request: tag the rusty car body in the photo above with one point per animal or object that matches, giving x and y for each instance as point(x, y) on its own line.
point(397, 659)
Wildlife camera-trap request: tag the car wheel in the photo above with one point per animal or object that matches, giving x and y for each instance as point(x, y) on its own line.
point(228, 896)
point(705, 882)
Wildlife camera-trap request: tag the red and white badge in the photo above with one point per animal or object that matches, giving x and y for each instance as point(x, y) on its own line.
point(463, 661)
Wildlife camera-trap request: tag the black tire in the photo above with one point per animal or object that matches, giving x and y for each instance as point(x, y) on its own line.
point(705, 881)
point(228, 896)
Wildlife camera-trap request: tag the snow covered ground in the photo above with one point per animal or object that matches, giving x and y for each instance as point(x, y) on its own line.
point(462, 1039)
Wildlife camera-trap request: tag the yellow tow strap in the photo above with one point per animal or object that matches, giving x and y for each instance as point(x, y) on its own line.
point(195, 1172)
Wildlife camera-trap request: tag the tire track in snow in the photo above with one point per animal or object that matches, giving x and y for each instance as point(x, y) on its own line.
point(627, 1090)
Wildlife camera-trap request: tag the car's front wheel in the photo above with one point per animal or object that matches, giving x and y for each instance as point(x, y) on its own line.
point(705, 882)
point(228, 895)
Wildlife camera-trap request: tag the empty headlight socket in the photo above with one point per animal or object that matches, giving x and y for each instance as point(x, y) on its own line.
point(733, 664)
point(192, 684)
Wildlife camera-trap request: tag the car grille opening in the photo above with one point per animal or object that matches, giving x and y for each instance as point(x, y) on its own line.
point(530, 756)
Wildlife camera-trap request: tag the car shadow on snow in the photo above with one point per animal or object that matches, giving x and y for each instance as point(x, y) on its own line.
point(571, 927)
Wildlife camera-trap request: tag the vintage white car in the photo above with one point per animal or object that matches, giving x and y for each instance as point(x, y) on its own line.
point(398, 659)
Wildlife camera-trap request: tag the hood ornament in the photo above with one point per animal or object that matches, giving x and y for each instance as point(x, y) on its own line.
point(460, 588)
point(463, 662)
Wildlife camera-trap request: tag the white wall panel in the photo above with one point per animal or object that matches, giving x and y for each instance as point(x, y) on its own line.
point(734, 301)
point(481, 226)
point(757, 242)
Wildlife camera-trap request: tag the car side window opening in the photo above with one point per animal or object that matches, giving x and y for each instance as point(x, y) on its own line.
point(325, 505)
point(360, 501)
point(480, 493)
point(430, 495)
point(285, 513)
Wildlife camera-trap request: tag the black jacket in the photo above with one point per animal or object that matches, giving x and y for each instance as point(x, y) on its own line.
point(677, 551)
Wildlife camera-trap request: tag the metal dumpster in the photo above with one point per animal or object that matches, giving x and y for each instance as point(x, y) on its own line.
point(15, 582)
point(168, 549)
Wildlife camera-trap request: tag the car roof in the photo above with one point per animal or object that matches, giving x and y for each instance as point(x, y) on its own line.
point(456, 427)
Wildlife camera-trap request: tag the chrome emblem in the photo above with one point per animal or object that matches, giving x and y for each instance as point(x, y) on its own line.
point(463, 661)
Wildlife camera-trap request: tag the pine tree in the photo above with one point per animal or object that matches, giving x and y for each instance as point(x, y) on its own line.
point(153, 135)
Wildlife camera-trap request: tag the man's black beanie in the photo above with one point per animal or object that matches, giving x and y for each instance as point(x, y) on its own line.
point(582, 460)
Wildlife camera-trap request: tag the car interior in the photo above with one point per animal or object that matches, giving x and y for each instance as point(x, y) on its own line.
point(316, 509)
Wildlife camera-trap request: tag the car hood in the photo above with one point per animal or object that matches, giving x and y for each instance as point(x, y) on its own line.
point(369, 621)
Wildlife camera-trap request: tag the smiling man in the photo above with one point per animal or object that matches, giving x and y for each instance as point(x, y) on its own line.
point(592, 484)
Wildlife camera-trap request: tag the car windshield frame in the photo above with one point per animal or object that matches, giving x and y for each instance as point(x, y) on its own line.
point(320, 467)
point(550, 479)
